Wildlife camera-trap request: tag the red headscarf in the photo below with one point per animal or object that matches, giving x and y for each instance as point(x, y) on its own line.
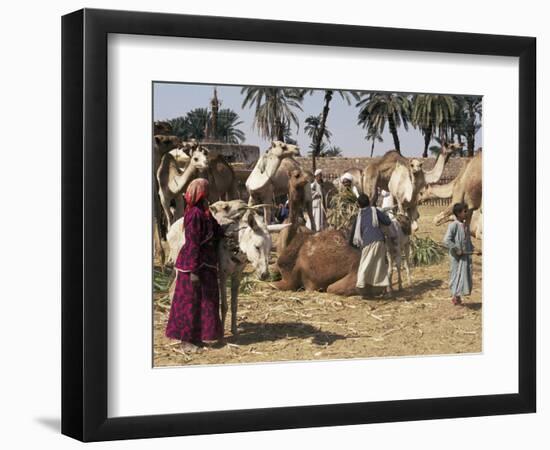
point(196, 191)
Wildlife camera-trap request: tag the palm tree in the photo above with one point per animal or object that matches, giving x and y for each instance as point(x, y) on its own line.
point(227, 131)
point(313, 130)
point(329, 94)
point(193, 125)
point(275, 109)
point(374, 136)
point(196, 120)
point(287, 135)
point(433, 113)
point(468, 119)
point(178, 126)
point(378, 108)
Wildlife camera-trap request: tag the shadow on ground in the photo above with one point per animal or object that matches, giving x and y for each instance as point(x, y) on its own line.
point(253, 333)
point(416, 290)
point(476, 306)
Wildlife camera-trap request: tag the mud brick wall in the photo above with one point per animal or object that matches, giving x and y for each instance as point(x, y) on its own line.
point(334, 167)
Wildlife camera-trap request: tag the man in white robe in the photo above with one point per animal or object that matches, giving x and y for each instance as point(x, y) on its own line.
point(347, 183)
point(317, 202)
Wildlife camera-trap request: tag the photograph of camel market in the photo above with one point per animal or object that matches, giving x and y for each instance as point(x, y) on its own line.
point(303, 224)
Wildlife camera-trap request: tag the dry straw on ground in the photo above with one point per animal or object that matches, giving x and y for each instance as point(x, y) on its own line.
point(283, 326)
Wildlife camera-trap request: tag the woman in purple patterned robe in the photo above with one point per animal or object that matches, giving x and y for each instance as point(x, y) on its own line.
point(194, 313)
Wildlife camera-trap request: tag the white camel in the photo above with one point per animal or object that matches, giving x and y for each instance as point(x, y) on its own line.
point(173, 179)
point(404, 185)
point(269, 178)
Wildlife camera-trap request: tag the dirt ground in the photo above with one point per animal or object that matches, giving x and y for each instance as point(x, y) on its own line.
point(283, 326)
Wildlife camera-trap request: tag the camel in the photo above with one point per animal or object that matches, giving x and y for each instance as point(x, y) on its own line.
point(162, 144)
point(320, 261)
point(297, 182)
point(378, 172)
point(173, 181)
point(161, 127)
point(181, 165)
point(406, 179)
point(476, 224)
point(405, 183)
point(222, 179)
point(465, 188)
point(247, 240)
point(269, 178)
point(326, 260)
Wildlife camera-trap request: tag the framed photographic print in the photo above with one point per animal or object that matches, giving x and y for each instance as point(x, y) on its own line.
point(273, 224)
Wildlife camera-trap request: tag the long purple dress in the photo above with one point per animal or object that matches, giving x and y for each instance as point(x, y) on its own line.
point(194, 313)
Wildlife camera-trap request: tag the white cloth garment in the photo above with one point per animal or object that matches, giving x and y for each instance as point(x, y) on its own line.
point(373, 268)
point(387, 199)
point(317, 206)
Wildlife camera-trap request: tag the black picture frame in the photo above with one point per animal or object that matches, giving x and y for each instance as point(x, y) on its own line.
point(84, 224)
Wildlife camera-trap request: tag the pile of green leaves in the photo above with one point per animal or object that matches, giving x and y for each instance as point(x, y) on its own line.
point(342, 208)
point(426, 251)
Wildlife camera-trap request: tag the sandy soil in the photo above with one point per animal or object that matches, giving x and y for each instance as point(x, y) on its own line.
point(283, 326)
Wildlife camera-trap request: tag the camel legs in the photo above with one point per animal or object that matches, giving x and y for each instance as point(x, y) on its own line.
point(159, 249)
point(290, 281)
point(444, 216)
point(345, 286)
point(165, 203)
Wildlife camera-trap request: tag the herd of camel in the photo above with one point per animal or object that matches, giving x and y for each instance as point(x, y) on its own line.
point(316, 261)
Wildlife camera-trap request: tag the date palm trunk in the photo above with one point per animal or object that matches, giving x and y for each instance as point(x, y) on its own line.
point(427, 139)
point(393, 131)
point(470, 139)
point(322, 126)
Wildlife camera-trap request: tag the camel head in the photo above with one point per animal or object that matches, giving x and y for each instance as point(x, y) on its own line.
point(297, 179)
point(167, 142)
point(199, 158)
point(448, 149)
point(283, 150)
point(424, 194)
point(416, 166)
point(161, 127)
point(442, 218)
point(180, 156)
point(255, 242)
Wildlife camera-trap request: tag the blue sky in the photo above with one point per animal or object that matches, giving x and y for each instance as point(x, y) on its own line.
point(176, 99)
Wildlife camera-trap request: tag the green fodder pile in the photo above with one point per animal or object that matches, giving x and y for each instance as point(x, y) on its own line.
point(425, 251)
point(343, 206)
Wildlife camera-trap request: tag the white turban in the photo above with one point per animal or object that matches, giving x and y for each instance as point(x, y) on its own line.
point(318, 172)
point(347, 176)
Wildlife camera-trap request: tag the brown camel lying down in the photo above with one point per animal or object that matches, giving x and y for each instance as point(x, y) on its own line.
point(318, 262)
